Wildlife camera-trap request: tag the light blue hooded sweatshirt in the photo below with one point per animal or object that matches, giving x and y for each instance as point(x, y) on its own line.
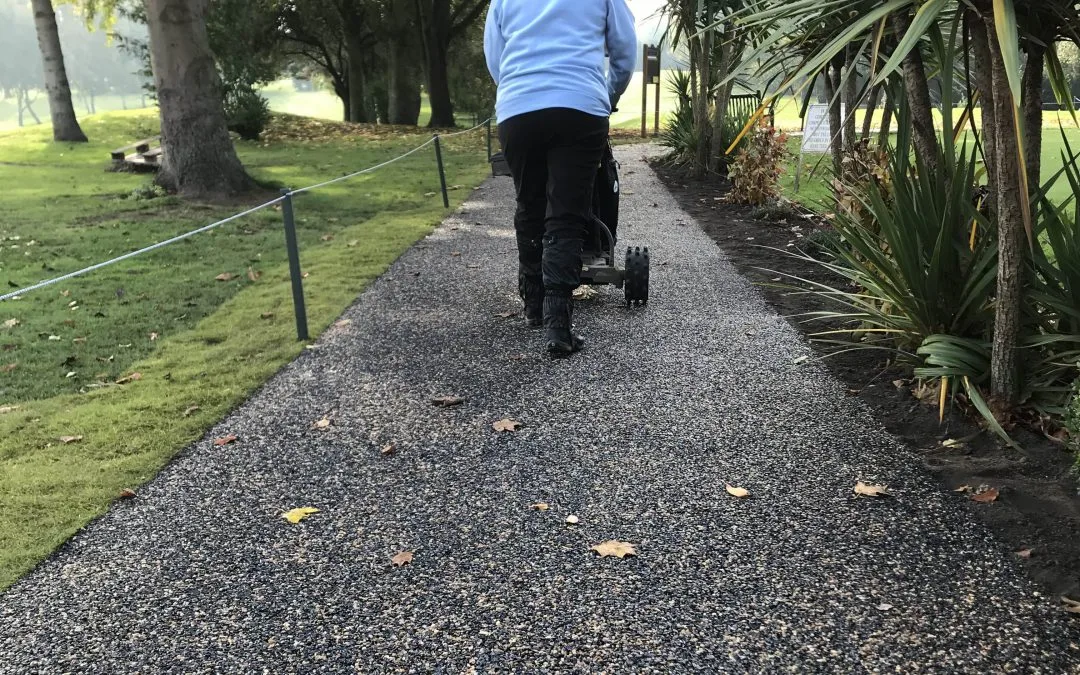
point(550, 54)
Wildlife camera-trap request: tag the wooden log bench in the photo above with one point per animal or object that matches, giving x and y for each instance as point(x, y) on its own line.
point(144, 154)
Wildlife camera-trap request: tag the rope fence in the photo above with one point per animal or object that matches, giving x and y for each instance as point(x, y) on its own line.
point(286, 201)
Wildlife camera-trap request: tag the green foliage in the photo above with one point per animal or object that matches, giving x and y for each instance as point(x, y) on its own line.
point(246, 112)
point(755, 173)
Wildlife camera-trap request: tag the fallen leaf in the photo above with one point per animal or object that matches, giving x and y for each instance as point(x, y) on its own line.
point(618, 549)
point(153, 336)
point(189, 411)
point(225, 276)
point(448, 401)
point(305, 275)
point(127, 494)
point(327, 237)
point(252, 274)
point(986, 496)
point(343, 323)
point(11, 323)
point(801, 360)
point(401, 559)
point(1024, 553)
point(952, 443)
point(8, 368)
point(134, 377)
point(68, 440)
point(226, 440)
point(541, 506)
point(455, 254)
point(585, 293)
point(472, 267)
point(266, 315)
point(741, 493)
point(884, 606)
point(70, 374)
point(507, 315)
point(963, 488)
point(353, 243)
point(867, 490)
point(572, 519)
point(388, 449)
point(55, 338)
point(296, 515)
point(1071, 606)
point(5, 409)
point(66, 294)
point(324, 423)
point(78, 341)
point(506, 425)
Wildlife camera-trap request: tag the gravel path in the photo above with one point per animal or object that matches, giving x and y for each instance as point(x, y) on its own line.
point(636, 436)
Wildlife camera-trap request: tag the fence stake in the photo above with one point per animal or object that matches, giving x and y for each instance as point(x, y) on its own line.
point(488, 125)
point(294, 266)
point(442, 173)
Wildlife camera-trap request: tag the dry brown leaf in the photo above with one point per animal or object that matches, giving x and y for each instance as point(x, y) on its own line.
point(403, 558)
point(252, 274)
point(507, 315)
point(472, 267)
point(226, 440)
point(327, 237)
point(324, 423)
point(585, 293)
point(986, 496)
point(342, 323)
point(447, 401)
point(867, 490)
point(266, 315)
point(388, 449)
point(572, 519)
point(134, 377)
point(1071, 606)
point(305, 275)
point(741, 493)
point(189, 411)
point(617, 549)
point(225, 276)
point(68, 440)
point(963, 488)
point(8, 368)
point(506, 425)
point(540, 506)
point(127, 494)
point(455, 254)
point(1024, 553)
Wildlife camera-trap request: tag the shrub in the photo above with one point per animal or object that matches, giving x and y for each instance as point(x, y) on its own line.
point(246, 112)
point(755, 173)
point(679, 133)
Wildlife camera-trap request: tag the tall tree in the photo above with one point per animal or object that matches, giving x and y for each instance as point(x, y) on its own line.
point(440, 22)
point(200, 161)
point(65, 124)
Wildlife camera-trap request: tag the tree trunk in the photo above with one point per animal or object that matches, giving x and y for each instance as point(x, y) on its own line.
point(402, 83)
point(850, 98)
point(886, 122)
point(836, 118)
point(871, 107)
point(984, 82)
point(199, 159)
point(358, 91)
point(65, 124)
point(701, 112)
point(1005, 359)
point(918, 94)
point(1033, 117)
point(723, 97)
point(435, 20)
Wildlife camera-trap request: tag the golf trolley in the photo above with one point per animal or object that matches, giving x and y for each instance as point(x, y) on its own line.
point(598, 266)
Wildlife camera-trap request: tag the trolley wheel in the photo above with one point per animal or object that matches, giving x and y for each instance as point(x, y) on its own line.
point(636, 285)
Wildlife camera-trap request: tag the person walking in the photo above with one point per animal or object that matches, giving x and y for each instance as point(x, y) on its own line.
point(555, 97)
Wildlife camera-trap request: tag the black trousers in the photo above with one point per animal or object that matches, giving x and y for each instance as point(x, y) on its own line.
point(553, 154)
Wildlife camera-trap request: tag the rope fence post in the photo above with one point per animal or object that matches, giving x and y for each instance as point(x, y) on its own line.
point(442, 173)
point(488, 125)
point(294, 266)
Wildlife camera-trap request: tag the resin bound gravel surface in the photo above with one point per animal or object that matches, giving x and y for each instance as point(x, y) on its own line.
point(638, 437)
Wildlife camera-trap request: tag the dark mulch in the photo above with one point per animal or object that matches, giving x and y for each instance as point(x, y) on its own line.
point(1039, 504)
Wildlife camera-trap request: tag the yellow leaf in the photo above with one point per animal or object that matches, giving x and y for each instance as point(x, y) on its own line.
point(617, 549)
point(296, 515)
point(866, 490)
point(739, 492)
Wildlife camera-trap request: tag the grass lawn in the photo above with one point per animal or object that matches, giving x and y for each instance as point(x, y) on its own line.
point(200, 345)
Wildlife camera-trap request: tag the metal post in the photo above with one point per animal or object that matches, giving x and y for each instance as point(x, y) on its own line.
point(659, 80)
point(488, 125)
point(442, 173)
point(644, 88)
point(294, 266)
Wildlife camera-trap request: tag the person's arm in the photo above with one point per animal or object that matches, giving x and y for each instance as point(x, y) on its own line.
point(622, 48)
point(493, 42)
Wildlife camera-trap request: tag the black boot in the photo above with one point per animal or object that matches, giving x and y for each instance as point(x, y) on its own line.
point(531, 290)
point(558, 325)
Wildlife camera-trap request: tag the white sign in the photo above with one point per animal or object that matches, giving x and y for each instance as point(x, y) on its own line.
point(817, 134)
